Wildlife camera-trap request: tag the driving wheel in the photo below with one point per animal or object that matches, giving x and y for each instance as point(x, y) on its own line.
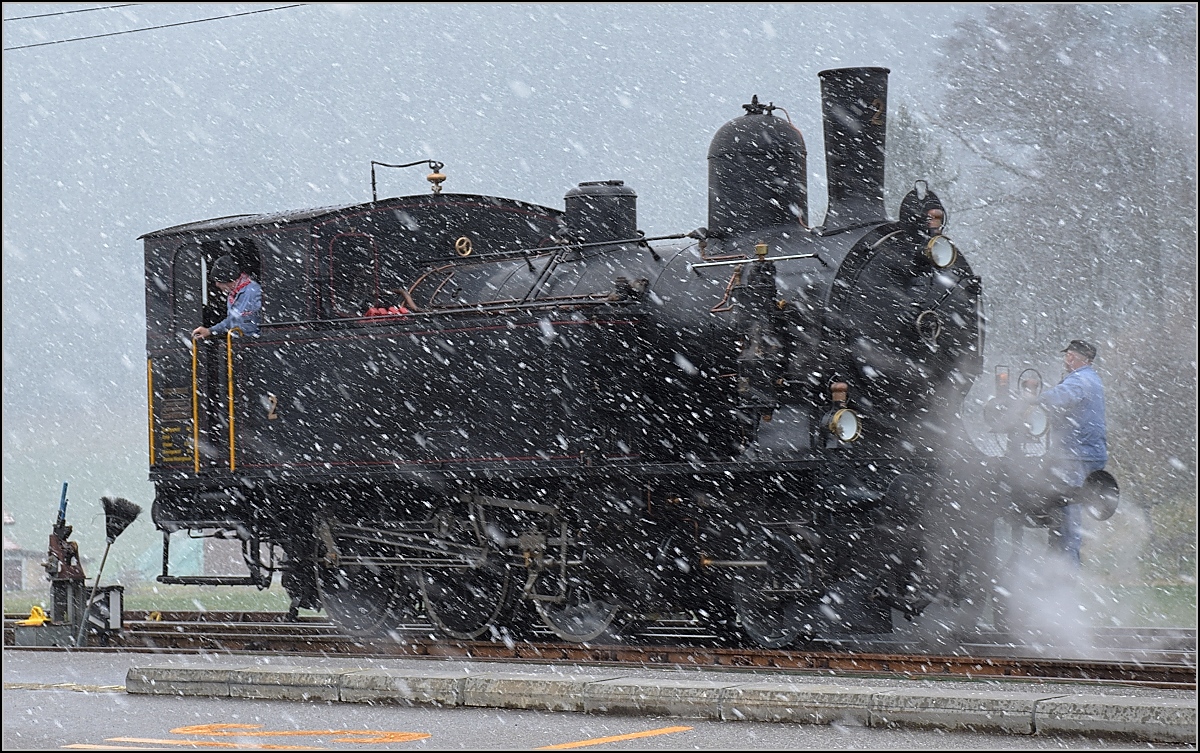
point(467, 602)
point(366, 601)
point(772, 598)
point(582, 613)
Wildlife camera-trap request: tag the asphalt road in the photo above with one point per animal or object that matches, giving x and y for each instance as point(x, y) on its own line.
point(77, 701)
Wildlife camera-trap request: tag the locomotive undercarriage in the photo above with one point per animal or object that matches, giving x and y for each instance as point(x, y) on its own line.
point(586, 563)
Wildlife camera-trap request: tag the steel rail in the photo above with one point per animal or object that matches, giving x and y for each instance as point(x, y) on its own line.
point(660, 646)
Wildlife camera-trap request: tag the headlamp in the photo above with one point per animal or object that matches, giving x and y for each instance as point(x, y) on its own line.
point(845, 425)
point(941, 252)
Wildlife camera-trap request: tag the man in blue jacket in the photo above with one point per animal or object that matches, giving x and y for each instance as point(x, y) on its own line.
point(1078, 441)
point(243, 300)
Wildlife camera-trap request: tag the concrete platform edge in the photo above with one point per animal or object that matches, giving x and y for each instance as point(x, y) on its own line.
point(996, 711)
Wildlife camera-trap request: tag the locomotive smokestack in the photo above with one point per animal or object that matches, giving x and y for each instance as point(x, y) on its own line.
point(854, 108)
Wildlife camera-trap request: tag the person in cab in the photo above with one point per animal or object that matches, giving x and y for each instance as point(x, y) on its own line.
point(243, 301)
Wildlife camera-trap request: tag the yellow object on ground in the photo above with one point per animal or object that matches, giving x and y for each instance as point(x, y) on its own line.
point(37, 617)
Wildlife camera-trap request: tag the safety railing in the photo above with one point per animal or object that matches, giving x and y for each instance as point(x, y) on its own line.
point(196, 404)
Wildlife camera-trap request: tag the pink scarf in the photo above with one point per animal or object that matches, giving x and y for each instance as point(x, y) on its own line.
point(241, 282)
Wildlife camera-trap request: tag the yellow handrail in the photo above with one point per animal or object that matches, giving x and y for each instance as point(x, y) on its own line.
point(150, 404)
point(195, 414)
point(229, 380)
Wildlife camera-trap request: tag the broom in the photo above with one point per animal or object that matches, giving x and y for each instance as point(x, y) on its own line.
point(118, 514)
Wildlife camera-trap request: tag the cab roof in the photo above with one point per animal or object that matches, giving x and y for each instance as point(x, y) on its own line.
point(278, 219)
point(247, 221)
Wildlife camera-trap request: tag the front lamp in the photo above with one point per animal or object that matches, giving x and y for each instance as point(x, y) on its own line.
point(941, 252)
point(1035, 421)
point(845, 425)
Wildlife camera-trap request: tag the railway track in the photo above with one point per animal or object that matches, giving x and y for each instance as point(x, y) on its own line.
point(1151, 657)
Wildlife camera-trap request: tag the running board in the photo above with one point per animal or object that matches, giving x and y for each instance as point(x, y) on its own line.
point(209, 580)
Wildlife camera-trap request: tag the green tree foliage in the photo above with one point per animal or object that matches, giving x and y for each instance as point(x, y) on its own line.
point(1079, 125)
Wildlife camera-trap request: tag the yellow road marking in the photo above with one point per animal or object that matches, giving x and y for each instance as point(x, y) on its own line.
point(244, 730)
point(90, 746)
point(207, 744)
point(615, 738)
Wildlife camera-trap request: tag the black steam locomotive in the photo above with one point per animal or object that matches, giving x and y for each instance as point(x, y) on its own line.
point(509, 415)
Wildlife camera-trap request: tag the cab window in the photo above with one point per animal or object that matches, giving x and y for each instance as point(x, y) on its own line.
point(353, 274)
